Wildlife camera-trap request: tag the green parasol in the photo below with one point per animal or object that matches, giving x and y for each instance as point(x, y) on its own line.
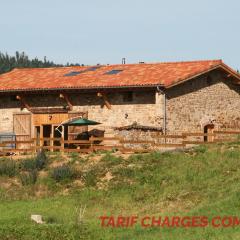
point(80, 122)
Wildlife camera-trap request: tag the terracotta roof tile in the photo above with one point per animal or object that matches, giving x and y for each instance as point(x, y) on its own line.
point(165, 74)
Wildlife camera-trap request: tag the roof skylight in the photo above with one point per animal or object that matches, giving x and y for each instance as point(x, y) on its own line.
point(93, 68)
point(74, 73)
point(114, 71)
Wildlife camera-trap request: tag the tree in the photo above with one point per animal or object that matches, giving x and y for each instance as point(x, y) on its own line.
point(21, 60)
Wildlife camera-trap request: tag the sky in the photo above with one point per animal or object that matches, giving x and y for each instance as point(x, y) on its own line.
point(105, 31)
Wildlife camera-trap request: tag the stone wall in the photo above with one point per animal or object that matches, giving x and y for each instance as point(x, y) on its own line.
point(140, 135)
point(145, 109)
point(195, 103)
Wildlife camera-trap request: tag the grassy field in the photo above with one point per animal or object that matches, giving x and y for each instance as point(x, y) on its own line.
point(204, 181)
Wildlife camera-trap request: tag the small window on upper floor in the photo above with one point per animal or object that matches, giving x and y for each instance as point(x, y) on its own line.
point(128, 97)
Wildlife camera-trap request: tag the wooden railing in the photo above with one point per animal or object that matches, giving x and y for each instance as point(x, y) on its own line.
point(118, 143)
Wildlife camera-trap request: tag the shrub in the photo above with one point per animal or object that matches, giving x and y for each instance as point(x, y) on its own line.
point(31, 164)
point(41, 160)
point(8, 168)
point(28, 164)
point(28, 178)
point(62, 173)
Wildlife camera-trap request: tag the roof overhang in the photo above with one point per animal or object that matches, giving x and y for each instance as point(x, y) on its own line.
point(221, 66)
point(231, 72)
point(83, 89)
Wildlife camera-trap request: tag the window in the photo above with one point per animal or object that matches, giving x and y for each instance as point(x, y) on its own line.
point(128, 97)
point(114, 71)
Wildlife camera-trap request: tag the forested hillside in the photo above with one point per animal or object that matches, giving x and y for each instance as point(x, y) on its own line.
point(21, 60)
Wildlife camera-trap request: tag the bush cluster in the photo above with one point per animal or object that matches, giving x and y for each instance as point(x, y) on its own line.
point(37, 163)
point(8, 168)
point(27, 164)
point(27, 169)
point(28, 178)
point(62, 173)
point(41, 160)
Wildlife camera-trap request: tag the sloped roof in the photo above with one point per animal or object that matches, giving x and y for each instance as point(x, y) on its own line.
point(132, 75)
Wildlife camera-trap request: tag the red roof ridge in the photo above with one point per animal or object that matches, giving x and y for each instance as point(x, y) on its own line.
point(191, 61)
point(173, 62)
point(28, 68)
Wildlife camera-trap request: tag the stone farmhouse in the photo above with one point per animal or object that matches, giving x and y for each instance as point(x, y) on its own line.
point(174, 97)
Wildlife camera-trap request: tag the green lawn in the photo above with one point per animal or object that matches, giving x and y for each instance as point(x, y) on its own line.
point(201, 182)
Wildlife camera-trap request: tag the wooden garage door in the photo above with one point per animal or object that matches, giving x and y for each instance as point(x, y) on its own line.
point(22, 128)
point(73, 132)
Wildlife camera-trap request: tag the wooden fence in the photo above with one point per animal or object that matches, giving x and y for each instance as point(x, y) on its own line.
point(123, 145)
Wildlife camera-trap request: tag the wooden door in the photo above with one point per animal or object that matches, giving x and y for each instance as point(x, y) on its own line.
point(74, 131)
point(22, 128)
point(209, 129)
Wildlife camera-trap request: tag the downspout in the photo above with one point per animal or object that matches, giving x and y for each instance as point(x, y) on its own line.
point(164, 110)
point(164, 115)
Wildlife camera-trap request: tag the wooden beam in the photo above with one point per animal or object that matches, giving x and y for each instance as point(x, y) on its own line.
point(66, 98)
point(227, 132)
point(198, 134)
point(137, 142)
point(62, 140)
point(105, 138)
point(22, 99)
point(52, 136)
point(196, 142)
point(169, 136)
point(41, 136)
point(105, 99)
